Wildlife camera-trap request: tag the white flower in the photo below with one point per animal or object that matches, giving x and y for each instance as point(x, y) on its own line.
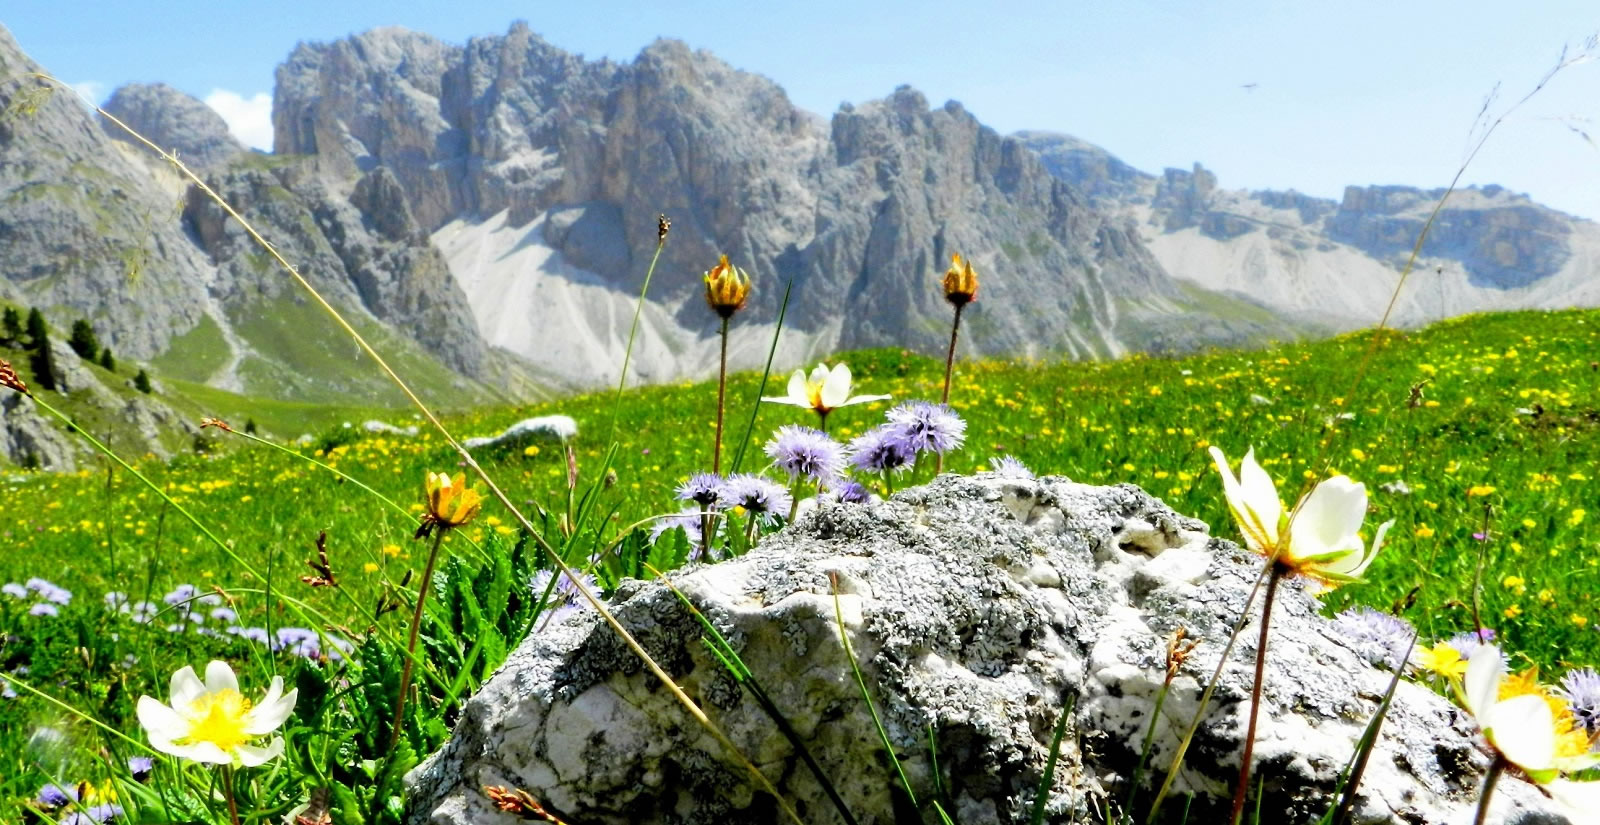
point(825, 391)
point(1522, 728)
point(1320, 539)
point(212, 721)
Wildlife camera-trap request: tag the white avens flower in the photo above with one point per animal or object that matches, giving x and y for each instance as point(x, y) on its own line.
point(824, 391)
point(1319, 539)
point(1522, 728)
point(213, 722)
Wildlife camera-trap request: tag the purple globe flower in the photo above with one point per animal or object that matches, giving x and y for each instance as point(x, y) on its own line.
point(848, 491)
point(44, 609)
point(117, 600)
point(180, 594)
point(805, 452)
point(928, 427)
point(689, 520)
point(224, 614)
point(704, 489)
point(565, 597)
point(1582, 691)
point(14, 590)
point(140, 767)
point(1008, 467)
point(49, 591)
point(882, 449)
point(762, 498)
point(56, 796)
point(1380, 638)
point(1468, 641)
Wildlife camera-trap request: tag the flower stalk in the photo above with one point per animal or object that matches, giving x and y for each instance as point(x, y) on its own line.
point(1496, 768)
point(727, 291)
point(227, 793)
point(960, 288)
point(1243, 788)
point(411, 642)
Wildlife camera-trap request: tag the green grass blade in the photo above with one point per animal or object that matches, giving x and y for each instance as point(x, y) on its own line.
point(1042, 794)
point(1351, 782)
point(766, 372)
point(866, 696)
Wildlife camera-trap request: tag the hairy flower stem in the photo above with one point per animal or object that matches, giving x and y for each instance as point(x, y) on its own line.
point(949, 365)
point(411, 640)
point(822, 419)
point(794, 498)
point(1243, 789)
point(1497, 767)
point(722, 392)
point(227, 793)
point(705, 533)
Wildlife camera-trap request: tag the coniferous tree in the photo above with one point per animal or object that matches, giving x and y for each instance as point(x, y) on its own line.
point(83, 340)
point(43, 361)
point(107, 361)
point(141, 382)
point(38, 330)
point(11, 326)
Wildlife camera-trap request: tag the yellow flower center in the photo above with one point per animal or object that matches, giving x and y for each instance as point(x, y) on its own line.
point(219, 718)
point(814, 394)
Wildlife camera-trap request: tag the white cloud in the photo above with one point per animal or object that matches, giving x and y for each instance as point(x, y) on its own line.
point(248, 118)
point(92, 91)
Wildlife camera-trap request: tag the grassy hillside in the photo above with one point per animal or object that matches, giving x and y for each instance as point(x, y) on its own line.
point(1479, 437)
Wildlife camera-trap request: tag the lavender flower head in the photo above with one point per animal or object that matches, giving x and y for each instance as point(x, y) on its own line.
point(882, 449)
point(762, 498)
point(180, 594)
point(117, 600)
point(140, 767)
point(704, 489)
point(56, 796)
point(849, 491)
point(44, 609)
point(1006, 466)
point(689, 520)
point(805, 452)
point(565, 597)
point(928, 427)
point(1380, 638)
point(49, 591)
point(14, 590)
point(1468, 641)
point(1582, 691)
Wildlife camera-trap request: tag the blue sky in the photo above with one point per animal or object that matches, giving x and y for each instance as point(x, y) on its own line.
point(1356, 92)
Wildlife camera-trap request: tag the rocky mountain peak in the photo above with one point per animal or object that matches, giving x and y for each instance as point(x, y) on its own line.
point(173, 120)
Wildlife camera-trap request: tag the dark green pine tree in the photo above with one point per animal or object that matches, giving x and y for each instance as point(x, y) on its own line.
point(11, 327)
point(141, 382)
point(107, 361)
point(83, 340)
point(38, 330)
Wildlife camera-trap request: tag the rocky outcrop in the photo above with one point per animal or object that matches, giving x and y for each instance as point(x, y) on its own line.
point(175, 121)
point(978, 610)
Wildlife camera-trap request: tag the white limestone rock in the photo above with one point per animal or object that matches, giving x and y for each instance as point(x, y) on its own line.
point(978, 608)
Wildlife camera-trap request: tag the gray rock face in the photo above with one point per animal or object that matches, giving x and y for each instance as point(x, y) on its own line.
point(83, 228)
point(977, 608)
point(863, 211)
point(1334, 261)
point(175, 121)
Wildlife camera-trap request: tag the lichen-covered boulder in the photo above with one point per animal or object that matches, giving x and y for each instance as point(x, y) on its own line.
point(978, 610)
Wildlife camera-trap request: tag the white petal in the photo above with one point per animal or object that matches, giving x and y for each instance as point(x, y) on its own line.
point(202, 752)
point(836, 388)
point(219, 677)
point(797, 390)
point(161, 723)
point(1260, 494)
point(250, 756)
point(1482, 682)
point(1377, 545)
point(185, 688)
point(1523, 728)
point(1329, 517)
point(1580, 799)
point(1249, 524)
point(267, 716)
point(864, 399)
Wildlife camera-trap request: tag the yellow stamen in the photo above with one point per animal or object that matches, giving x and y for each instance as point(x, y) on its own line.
point(219, 718)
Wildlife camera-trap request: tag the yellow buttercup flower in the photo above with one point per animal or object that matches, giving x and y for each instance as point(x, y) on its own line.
point(1443, 659)
point(727, 288)
point(448, 502)
point(960, 282)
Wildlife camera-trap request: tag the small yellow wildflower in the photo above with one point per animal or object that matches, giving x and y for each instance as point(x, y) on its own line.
point(1442, 659)
point(1424, 532)
point(960, 282)
point(1479, 490)
point(369, 567)
point(727, 288)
